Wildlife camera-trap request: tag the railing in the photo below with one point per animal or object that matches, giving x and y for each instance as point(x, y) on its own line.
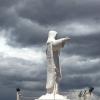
point(72, 95)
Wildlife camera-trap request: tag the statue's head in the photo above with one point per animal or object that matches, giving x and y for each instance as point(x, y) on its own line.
point(52, 34)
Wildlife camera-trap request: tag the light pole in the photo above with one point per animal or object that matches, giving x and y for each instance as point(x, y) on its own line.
point(18, 94)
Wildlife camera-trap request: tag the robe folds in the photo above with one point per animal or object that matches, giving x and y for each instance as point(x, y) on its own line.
point(53, 69)
point(52, 53)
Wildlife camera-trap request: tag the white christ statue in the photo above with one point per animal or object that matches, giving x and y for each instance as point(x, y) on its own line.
point(53, 69)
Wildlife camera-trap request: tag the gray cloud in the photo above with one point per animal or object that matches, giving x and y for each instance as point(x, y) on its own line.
point(47, 12)
point(26, 75)
point(91, 66)
point(79, 73)
point(87, 45)
point(28, 33)
point(8, 16)
point(29, 22)
point(7, 92)
point(18, 72)
point(5, 3)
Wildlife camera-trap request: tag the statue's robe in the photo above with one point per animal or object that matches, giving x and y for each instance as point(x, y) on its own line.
point(53, 69)
point(51, 75)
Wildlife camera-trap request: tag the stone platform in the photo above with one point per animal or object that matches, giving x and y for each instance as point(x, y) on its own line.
point(52, 97)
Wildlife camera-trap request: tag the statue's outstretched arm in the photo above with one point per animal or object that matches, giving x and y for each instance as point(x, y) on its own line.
point(60, 42)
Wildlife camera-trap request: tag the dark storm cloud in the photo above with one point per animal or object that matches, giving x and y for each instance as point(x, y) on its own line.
point(24, 32)
point(25, 20)
point(76, 82)
point(79, 73)
point(85, 45)
point(29, 22)
point(79, 82)
point(16, 72)
point(5, 3)
point(8, 16)
point(4, 93)
point(91, 67)
point(25, 74)
point(27, 33)
point(47, 12)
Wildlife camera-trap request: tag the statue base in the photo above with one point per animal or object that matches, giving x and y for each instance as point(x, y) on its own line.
point(52, 97)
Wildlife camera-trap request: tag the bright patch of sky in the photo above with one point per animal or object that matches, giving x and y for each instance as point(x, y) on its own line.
point(76, 28)
point(23, 53)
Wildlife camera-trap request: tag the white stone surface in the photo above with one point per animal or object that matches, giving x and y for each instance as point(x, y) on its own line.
point(53, 68)
point(52, 97)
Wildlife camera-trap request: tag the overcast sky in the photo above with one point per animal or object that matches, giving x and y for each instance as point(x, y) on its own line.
point(24, 26)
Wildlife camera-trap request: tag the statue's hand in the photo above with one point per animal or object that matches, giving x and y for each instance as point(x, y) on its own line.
point(67, 38)
point(64, 41)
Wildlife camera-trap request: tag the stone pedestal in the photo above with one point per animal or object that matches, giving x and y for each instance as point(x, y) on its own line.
point(52, 97)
